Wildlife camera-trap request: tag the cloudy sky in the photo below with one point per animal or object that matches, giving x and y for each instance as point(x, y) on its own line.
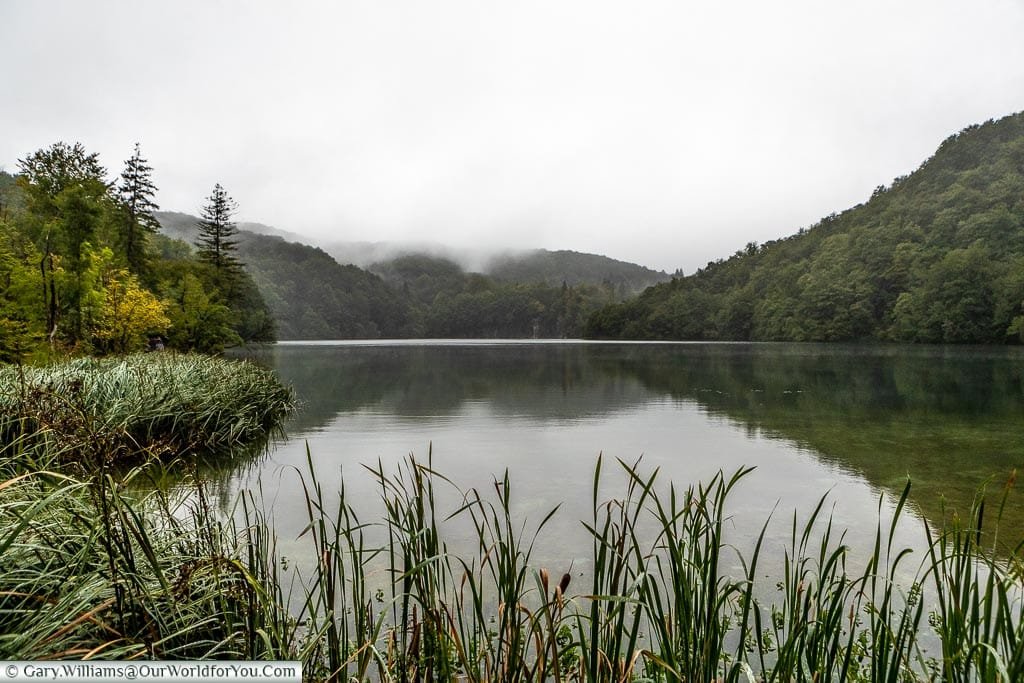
point(664, 133)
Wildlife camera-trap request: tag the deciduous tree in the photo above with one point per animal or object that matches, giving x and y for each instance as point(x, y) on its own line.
point(67, 198)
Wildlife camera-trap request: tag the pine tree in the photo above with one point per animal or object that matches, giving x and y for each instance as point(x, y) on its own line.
point(216, 243)
point(136, 194)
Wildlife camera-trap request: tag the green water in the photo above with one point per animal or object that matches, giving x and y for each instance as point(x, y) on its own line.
point(850, 421)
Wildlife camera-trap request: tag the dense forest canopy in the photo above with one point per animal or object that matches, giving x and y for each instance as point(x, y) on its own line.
point(83, 270)
point(938, 257)
point(450, 302)
point(573, 268)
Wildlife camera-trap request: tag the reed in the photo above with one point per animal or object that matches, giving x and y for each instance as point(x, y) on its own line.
point(140, 405)
point(91, 567)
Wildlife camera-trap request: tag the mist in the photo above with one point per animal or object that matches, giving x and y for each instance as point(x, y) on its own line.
point(665, 134)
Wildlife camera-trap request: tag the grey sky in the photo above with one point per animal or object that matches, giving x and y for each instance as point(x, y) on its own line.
point(665, 133)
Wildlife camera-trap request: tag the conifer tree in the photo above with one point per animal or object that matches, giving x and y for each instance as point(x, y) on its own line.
point(136, 194)
point(216, 242)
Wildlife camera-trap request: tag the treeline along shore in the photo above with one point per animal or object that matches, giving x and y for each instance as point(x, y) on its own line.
point(935, 257)
point(90, 264)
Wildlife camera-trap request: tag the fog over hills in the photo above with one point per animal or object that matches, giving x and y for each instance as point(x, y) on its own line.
point(421, 289)
point(506, 265)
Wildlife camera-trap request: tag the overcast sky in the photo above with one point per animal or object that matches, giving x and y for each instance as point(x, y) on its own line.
point(664, 133)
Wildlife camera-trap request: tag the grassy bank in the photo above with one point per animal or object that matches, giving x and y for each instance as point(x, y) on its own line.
point(88, 570)
point(159, 404)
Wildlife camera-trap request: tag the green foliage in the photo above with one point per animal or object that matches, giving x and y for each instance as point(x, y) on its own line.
point(93, 566)
point(253, 320)
point(936, 257)
point(136, 192)
point(126, 313)
point(452, 303)
point(21, 299)
point(91, 411)
point(67, 205)
point(198, 322)
point(310, 296)
point(82, 268)
point(573, 268)
point(953, 303)
point(217, 243)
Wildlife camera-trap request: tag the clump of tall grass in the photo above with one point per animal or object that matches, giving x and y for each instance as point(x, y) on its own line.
point(91, 568)
point(661, 606)
point(88, 569)
point(163, 404)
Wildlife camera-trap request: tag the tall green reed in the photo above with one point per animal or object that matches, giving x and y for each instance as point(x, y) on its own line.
point(979, 612)
point(142, 405)
point(103, 567)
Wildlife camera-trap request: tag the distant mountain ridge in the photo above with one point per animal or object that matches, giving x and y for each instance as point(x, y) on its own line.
point(936, 257)
point(573, 268)
point(522, 266)
point(313, 296)
point(184, 227)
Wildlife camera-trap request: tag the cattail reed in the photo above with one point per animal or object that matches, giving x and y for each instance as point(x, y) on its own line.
point(93, 567)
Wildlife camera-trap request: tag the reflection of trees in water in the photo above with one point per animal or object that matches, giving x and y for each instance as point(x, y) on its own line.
point(951, 419)
point(542, 382)
point(948, 417)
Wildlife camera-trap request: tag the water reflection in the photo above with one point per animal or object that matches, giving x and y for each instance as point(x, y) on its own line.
point(814, 416)
point(544, 382)
point(949, 418)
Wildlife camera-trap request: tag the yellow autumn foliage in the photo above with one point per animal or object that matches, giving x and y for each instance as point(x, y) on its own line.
point(128, 315)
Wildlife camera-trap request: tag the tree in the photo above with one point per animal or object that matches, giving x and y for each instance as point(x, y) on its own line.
point(47, 173)
point(119, 314)
point(216, 242)
point(198, 323)
point(136, 194)
point(21, 310)
point(128, 316)
point(67, 198)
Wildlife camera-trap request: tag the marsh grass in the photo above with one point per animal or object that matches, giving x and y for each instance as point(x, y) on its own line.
point(139, 406)
point(93, 568)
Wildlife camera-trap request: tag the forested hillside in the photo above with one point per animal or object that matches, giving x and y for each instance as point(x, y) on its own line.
point(938, 256)
point(312, 296)
point(308, 293)
point(451, 302)
point(573, 268)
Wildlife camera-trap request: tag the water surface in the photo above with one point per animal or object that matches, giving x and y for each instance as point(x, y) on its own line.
point(850, 421)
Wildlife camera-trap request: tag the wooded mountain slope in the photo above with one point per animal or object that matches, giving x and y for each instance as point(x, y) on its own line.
point(573, 268)
point(938, 256)
point(311, 296)
point(451, 302)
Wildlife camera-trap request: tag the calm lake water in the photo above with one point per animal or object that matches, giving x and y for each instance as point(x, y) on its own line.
point(852, 422)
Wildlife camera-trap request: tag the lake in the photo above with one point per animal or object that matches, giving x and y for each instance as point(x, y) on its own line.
point(852, 422)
